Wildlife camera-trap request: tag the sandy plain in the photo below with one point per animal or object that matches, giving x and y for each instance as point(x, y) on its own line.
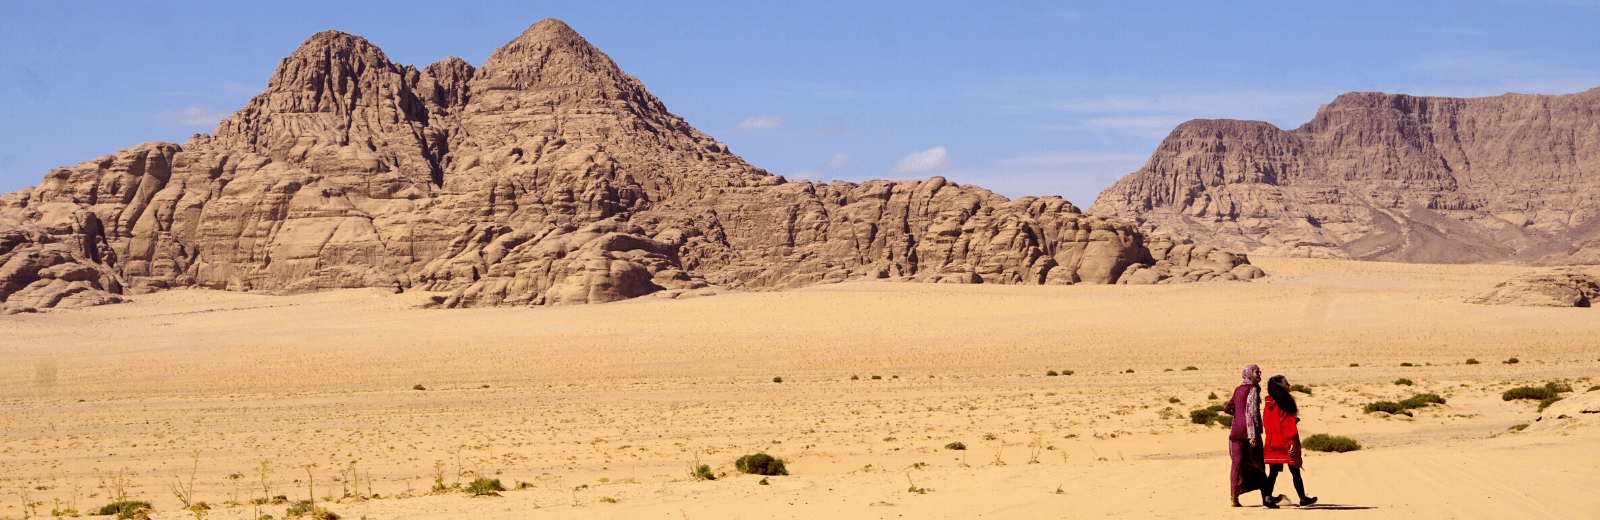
point(601, 409)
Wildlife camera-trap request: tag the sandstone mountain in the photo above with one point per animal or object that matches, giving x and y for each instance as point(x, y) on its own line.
point(546, 176)
point(1384, 177)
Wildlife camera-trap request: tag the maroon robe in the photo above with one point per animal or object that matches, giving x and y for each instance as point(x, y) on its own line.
point(1249, 472)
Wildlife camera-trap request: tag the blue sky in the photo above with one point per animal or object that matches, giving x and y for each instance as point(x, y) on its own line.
point(1024, 98)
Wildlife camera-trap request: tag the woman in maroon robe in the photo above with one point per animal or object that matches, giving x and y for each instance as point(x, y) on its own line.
point(1244, 442)
point(1280, 417)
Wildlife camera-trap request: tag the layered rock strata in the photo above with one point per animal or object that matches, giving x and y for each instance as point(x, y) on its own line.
point(1384, 177)
point(1564, 287)
point(546, 176)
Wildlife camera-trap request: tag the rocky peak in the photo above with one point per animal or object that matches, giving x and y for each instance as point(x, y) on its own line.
point(550, 55)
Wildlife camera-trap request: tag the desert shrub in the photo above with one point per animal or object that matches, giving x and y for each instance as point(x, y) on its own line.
point(877, 377)
point(855, 378)
point(1300, 388)
point(955, 446)
point(1421, 400)
point(1511, 361)
point(301, 508)
point(1518, 427)
point(1325, 442)
point(1546, 402)
point(1559, 388)
point(1225, 420)
point(1209, 415)
point(777, 379)
point(418, 387)
point(1212, 396)
point(524, 485)
point(1387, 407)
point(1129, 371)
point(1592, 388)
point(1472, 361)
point(1167, 370)
point(1407, 365)
point(1403, 381)
point(1051, 373)
point(760, 464)
point(1190, 367)
point(123, 509)
point(702, 472)
point(1353, 365)
point(483, 486)
point(1528, 392)
point(1174, 400)
point(1066, 372)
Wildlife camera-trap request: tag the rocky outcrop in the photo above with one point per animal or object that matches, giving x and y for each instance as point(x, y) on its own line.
point(1384, 177)
point(1557, 288)
point(546, 176)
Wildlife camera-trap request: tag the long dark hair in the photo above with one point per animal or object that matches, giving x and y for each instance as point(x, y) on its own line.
point(1278, 389)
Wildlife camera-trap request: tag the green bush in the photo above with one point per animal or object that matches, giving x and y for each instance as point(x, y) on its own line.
point(1066, 372)
point(1209, 415)
point(1546, 402)
point(777, 379)
point(1518, 427)
point(877, 377)
point(301, 508)
point(1536, 392)
point(1212, 396)
point(760, 464)
point(1387, 407)
point(1174, 400)
point(482, 486)
point(1325, 442)
point(1130, 371)
point(123, 509)
point(1407, 365)
point(1051, 373)
point(1421, 400)
point(855, 378)
point(955, 446)
point(1300, 388)
point(1592, 388)
point(702, 472)
point(1225, 420)
point(1472, 361)
point(1403, 381)
point(1190, 367)
point(418, 387)
point(1511, 361)
point(1353, 365)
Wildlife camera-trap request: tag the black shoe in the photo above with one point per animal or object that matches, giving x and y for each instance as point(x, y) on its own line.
point(1307, 501)
point(1270, 503)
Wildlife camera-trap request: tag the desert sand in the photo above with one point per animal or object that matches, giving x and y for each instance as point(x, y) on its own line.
point(601, 409)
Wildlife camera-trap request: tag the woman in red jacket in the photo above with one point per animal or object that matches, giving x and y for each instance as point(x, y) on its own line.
point(1279, 415)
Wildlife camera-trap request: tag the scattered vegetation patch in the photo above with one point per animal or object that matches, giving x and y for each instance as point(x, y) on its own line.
point(484, 487)
point(1300, 388)
point(1066, 372)
point(1353, 365)
point(1403, 381)
point(418, 387)
point(1190, 367)
point(760, 464)
point(1407, 365)
point(1330, 443)
point(1511, 361)
point(955, 446)
point(1421, 400)
point(1592, 388)
point(1472, 361)
point(1212, 396)
point(1174, 400)
point(1547, 391)
point(1390, 407)
point(877, 377)
point(1051, 373)
point(1518, 427)
point(1129, 371)
point(855, 378)
point(1209, 415)
point(123, 509)
point(1546, 402)
point(777, 379)
point(701, 472)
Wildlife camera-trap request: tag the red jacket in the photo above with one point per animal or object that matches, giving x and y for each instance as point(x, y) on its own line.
point(1281, 433)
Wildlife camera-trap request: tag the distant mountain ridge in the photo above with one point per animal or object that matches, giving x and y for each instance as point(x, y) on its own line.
point(1390, 177)
point(546, 176)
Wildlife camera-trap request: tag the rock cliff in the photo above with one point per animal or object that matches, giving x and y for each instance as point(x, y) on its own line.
point(546, 176)
point(1384, 177)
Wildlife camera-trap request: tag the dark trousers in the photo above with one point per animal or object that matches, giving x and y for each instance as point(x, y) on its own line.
point(1272, 480)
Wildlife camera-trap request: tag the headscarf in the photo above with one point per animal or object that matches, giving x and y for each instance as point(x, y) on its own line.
point(1252, 409)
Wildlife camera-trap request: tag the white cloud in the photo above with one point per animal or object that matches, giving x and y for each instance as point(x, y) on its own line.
point(762, 122)
point(192, 115)
point(930, 159)
point(841, 161)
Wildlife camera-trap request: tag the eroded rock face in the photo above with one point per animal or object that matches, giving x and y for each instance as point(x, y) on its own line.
point(1558, 288)
point(546, 176)
point(1384, 177)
